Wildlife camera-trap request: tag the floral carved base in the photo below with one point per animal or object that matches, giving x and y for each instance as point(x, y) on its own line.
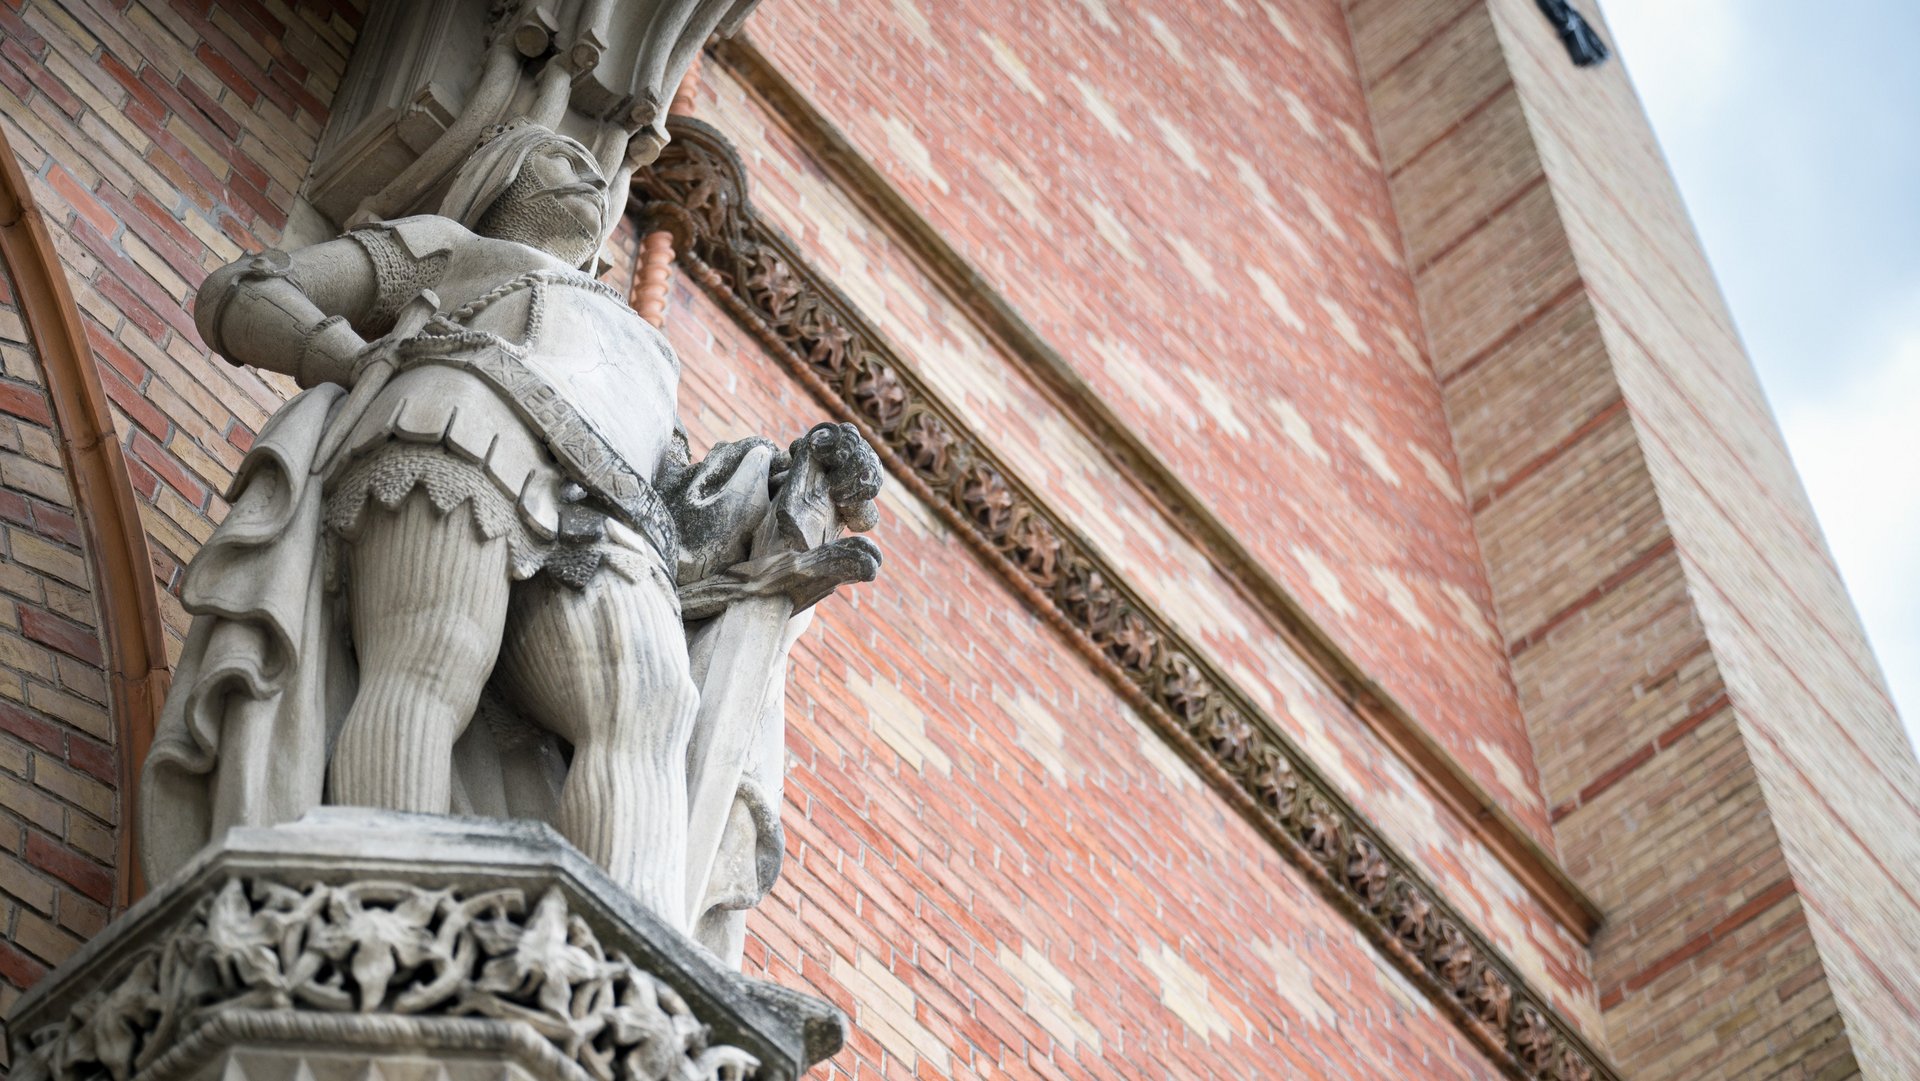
point(358, 943)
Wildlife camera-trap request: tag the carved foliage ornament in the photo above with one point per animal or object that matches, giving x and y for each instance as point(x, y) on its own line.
point(697, 189)
point(392, 949)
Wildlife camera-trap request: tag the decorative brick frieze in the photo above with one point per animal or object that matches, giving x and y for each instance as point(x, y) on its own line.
point(697, 191)
point(1363, 693)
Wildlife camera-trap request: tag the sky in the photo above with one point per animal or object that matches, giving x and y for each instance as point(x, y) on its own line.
point(1793, 129)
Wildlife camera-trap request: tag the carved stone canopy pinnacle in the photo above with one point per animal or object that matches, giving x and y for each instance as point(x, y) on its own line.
point(429, 77)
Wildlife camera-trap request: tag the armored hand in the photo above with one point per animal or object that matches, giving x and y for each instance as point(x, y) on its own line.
point(829, 484)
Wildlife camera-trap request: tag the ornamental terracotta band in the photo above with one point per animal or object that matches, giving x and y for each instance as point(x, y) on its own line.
point(697, 190)
point(1435, 766)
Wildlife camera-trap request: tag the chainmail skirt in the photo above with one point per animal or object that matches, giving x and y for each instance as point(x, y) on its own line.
point(382, 479)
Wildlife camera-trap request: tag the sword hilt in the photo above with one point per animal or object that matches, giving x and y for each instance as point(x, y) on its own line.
point(373, 374)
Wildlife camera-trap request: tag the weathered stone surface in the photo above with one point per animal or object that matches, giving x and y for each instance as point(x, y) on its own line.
point(553, 612)
point(433, 74)
point(484, 948)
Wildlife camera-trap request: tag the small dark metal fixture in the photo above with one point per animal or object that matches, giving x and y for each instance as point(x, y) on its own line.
point(1582, 40)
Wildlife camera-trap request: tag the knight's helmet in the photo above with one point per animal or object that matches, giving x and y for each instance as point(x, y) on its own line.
point(494, 170)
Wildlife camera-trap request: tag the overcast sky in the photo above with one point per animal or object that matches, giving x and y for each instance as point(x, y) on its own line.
point(1794, 130)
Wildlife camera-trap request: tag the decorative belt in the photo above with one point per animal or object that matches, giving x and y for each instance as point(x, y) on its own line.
point(582, 451)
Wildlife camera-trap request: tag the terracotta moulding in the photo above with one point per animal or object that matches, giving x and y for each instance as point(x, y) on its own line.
point(1370, 702)
point(697, 191)
point(116, 543)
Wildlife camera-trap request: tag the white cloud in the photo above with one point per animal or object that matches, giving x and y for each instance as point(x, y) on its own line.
point(1684, 56)
point(1777, 130)
point(1855, 448)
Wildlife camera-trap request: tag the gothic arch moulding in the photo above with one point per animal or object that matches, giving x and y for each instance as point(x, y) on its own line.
point(115, 542)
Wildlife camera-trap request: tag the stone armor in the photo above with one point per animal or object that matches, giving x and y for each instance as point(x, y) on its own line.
point(557, 323)
point(459, 586)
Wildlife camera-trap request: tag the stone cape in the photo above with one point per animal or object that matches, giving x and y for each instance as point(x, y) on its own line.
point(268, 673)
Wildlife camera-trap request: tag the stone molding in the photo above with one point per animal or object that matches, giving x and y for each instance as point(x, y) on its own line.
point(116, 540)
point(383, 964)
point(1372, 703)
point(366, 936)
point(697, 191)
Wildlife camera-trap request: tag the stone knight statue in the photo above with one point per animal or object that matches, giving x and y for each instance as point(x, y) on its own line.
point(472, 569)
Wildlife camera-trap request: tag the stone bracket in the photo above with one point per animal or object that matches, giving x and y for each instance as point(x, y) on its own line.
point(386, 937)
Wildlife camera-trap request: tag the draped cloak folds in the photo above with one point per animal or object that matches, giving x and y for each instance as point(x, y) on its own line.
point(267, 675)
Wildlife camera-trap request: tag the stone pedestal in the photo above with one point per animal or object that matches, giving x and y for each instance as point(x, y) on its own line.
point(358, 944)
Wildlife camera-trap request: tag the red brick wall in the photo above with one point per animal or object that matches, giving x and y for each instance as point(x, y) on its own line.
point(163, 139)
point(160, 140)
point(974, 374)
point(1726, 773)
point(1185, 200)
point(996, 868)
point(993, 863)
point(58, 766)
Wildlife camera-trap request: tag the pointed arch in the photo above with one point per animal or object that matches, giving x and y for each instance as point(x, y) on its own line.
point(115, 540)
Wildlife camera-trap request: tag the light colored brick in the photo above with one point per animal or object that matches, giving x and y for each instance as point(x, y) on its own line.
point(75, 788)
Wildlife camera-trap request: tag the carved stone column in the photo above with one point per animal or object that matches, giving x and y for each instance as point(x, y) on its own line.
point(358, 943)
point(428, 77)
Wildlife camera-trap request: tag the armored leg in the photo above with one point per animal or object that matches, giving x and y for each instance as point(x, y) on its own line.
point(429, 599)
point(606, 669)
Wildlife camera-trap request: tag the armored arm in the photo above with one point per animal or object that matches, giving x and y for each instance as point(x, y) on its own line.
point(290, 313)
point(311, 313)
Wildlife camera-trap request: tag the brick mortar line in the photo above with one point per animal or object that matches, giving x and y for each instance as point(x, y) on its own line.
point(1514, 331)
point(1340, 850)
point(1626, 573)
point(1750, 910)
point(1616, 407)
point(1872, 679)
point(1699, 648)
point(1426, 43)
point(1766, 732)
point(1512, 843)
point(1453, 129)
point(1646, 752)
point(1528, 187)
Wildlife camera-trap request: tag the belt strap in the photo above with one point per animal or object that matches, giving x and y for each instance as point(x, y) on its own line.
point(582, 451)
